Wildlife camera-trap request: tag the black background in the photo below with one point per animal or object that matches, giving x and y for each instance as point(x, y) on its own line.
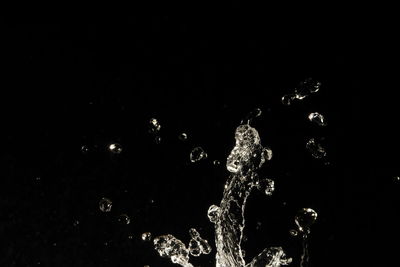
point(68, 85)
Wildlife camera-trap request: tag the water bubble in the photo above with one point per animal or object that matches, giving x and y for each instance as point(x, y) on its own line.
point(316, 150)
point(146, 236)
point(123, 219)
point(183, 137)
point(293, 232)
point(317, 118)
point(213, 213)
point(84, 149)
point(197, 154)
point(154, 126)
point(105, 204)
point(115, 148)
point(288, 99)
point(305, 218)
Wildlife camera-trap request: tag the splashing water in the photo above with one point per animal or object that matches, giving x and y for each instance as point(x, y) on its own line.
point(247, 156)
point(304, 219)
point(245, 159)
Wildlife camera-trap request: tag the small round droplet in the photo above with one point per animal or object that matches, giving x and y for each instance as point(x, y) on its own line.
point(124, 219)
point(105, 204)
point(76, 223)
point(397, 178)
point(130, 237)
point(197, 154)
point(146, 236)
point(316, 150)
point(216, 162)
point(84, 149)
point(213, 213)
point(115, 148)
point(317, 118)
point(293, 232)
point(183, 137)
point(305, 218)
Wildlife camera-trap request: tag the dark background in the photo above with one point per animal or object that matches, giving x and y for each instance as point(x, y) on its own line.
point(69, 85)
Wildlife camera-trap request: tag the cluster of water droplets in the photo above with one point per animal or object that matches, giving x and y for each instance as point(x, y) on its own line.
point(303, 90)
point(198, 245)
point(168, 246)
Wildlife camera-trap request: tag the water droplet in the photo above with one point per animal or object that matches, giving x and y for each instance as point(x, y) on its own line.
point(243, 253)
point(37, 178)
point(204, 246)
point(154, 126)
point(293, 232)
point(105, 204)
point(146, 236)
point(197, 154)
point(130, 237)
point(213, 213)
point(317, 118)
point(157, 140)
point(267, 153)
point(288, 99)
point(84, 149)
point(193, 233)
point(115, 148)
point(183, 137)
point(194, 248)
point(307, 87)
point(397, 178)
point(216, 162)
point(124, 219)
point(316, 150)
point(76, 223)
point(305, 218)
point(270, 187)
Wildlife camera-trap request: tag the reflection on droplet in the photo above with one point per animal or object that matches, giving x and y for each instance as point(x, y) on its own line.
point(115, 148)
point(305, 218)
point(397, 178)
point(317, 118)
point(146, 236)
point(76, 223)
point(105, 204)
point(316, 150)
point(123, 219)
point(213, 213)
point(183, 137)
point(216, 162)
point(197, 154)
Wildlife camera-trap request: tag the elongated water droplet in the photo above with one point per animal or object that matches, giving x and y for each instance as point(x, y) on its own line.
point(154, 126)
point(316, 150)
point(317, 118)
point(105, 204)
point(194, 248)
point(197, 154)
point(213, 213)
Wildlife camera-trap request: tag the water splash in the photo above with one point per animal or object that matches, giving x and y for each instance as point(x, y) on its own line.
point(170, 247)
point(304, 219)
point(245, 159)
